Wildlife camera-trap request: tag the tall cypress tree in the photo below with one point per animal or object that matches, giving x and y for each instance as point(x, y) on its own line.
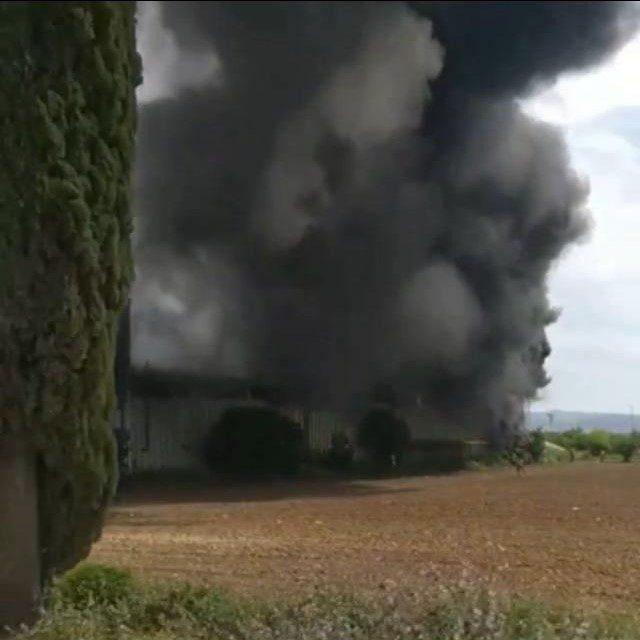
point(68, 72)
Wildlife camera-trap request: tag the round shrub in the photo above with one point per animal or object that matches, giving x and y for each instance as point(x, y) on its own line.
point(536, 445)
point(517, 452)
point(599, 443)
point(383, 436)
point(94, 584)
point(625, 446)
point(340, 454)
point(254, 440)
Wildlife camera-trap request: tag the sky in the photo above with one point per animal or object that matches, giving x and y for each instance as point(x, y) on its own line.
point(595, 363)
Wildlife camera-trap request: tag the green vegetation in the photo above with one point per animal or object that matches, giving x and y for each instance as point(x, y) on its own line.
point(572, 440)
point(384, 436)
point(536, 445)
point(253, 441)
point(598, 443)
point(626, 446)
point(520, 451)
point(554, 453)
point(554, 447)
point(67, 124)
point(177, 611)
point(92, 585)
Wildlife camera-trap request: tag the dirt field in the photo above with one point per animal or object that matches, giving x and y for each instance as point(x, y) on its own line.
point(568, 533)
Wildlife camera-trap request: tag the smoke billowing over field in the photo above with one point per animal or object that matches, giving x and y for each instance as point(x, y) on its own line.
point(334, 195)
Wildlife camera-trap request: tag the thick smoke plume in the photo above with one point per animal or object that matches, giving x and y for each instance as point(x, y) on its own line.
point(354, 196)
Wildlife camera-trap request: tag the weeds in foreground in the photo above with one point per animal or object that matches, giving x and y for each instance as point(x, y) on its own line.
point(100, 603)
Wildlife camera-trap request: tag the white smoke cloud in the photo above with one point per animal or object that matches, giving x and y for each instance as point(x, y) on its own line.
point(167, 68)
point(191, 297)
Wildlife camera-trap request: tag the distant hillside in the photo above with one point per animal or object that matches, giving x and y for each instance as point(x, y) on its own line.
point(563, 420)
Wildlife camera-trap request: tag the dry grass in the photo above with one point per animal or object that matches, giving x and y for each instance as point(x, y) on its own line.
point(102, 603)
point(566, 533)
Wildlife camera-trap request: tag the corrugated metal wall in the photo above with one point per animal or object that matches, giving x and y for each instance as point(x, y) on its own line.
point(321, 425)
point(168, 434)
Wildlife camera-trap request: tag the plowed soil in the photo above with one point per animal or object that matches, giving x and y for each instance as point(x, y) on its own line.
point(569, 533)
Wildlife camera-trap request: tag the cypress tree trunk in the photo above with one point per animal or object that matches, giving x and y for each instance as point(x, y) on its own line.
point(68, 72)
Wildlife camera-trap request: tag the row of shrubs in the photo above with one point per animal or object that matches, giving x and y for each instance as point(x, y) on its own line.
point(260, 440)
point(534, 447)
point(597, 443)
point(95, 602)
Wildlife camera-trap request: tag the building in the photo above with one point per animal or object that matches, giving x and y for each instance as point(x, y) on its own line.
point(163, 419)
point(167, 417)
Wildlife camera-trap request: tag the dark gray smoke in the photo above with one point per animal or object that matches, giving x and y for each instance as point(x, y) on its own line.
point(356, 198)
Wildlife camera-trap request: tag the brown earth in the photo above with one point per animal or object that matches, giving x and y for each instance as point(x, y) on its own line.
point(568, 533)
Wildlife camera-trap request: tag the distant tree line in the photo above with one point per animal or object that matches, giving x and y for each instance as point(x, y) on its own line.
point(532, 447)
point(596, 443)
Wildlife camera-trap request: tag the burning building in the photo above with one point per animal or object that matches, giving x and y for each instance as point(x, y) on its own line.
point(334, 195)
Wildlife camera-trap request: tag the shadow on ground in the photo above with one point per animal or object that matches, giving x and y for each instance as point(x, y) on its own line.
point(180, 490)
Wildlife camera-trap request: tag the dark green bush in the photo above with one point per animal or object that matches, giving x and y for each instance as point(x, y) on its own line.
point(254, 441)
point(383, 436)
point(625, 445)
point(626, 449)
point(598, 443)
point(161, 606)
point(577, 438)
point(340, 454)
point(535, 445)
point(94, 584)
point(95, 602)
point(517, 452)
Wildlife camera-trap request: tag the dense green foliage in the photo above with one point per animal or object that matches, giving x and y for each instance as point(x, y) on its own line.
point(254, 440)
point(572, 440)
point(517, 453)
point(625, 445)
point(172, 612)
point(536, 445)
point(598, 443)
point(383, 434)
point(93, 585)
point(626, 449)
point(554, 453)
point(67, 125)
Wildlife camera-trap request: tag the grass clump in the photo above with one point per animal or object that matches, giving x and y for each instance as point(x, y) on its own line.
point(92, 585)
point(99, 603)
